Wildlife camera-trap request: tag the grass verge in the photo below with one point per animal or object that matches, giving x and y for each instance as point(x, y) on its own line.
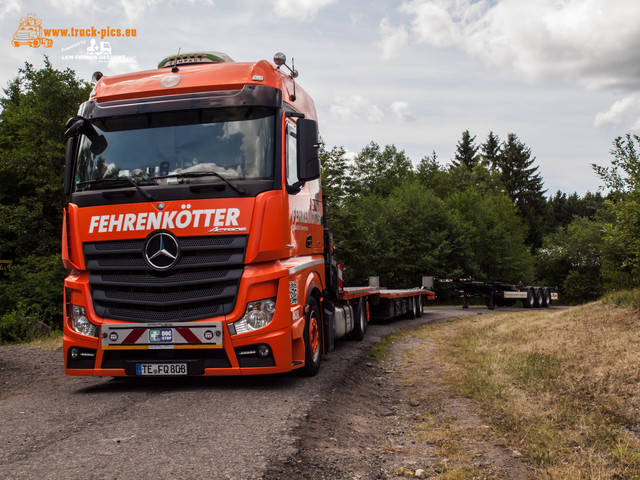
point(560, 386)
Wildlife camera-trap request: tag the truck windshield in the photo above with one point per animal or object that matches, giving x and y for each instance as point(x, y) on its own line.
point(179, 147)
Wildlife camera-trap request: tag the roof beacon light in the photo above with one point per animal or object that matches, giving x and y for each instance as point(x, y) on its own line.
point(194, 58)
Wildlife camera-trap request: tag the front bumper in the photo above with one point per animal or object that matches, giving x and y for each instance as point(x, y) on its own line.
point(233, 357)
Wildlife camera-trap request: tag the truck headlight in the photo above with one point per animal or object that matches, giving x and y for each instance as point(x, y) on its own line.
point(80, 322)
point(257, 315)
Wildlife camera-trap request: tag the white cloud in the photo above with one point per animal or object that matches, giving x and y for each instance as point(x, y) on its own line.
point(135, 10)
point(392, 39)
point(592, 42)
point(402, 112)
point(623, 113)
point(356, 107)
point(10, 7)
point(300, 9)
point(123, 64)
point(70, 7)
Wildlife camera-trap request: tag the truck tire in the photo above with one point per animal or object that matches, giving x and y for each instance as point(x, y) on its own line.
point(420, 305)
point(530, 301)
point(547, 297)
point(539, 298)
point(312, 338)
point(360, 316)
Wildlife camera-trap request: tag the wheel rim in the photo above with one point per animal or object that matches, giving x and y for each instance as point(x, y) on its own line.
point(314, 339)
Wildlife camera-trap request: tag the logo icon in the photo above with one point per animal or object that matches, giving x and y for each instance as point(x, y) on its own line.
point(99, 49)
point(161, 251)
point(30, 33)
point(160, 335)
point(171, 80)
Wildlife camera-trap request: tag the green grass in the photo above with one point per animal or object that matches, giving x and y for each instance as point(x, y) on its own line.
point(561, 387)
point(624, 298)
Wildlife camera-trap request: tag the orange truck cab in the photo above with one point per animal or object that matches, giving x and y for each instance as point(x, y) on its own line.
point(195, 232)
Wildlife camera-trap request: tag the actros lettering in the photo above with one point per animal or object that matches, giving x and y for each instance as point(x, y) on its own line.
point(135, 222)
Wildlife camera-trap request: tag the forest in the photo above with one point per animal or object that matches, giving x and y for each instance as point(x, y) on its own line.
point(483, 214)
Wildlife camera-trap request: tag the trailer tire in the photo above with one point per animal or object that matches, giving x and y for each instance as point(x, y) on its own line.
point(312, 339)
point(546, 294)
point(360, 324)
point(530, 301)
point(413, 311)
point(539, 298)
point(420, 305)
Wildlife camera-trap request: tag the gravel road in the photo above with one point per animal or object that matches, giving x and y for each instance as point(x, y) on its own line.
point(58, 427)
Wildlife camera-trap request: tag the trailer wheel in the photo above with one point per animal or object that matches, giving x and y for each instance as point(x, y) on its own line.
point(539, 298)
point(312, 339)
point(413, 311)
point(546, 295)
point(530, 301)
point(420, 305)
point(360, 327)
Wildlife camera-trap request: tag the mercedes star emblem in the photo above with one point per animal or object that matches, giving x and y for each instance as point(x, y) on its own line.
point(161, 251)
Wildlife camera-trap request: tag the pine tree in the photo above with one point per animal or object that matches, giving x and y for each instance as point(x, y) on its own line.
point(490, 150)
point(466, 152)
point(524, 186)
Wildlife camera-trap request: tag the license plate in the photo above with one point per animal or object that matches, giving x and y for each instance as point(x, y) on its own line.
point(161, 368)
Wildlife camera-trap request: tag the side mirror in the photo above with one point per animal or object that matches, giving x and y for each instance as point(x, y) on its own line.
point(74, 127)
point(77, 125)
point(308, 150)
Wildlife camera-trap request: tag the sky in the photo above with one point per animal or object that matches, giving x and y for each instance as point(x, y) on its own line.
point(563, 75)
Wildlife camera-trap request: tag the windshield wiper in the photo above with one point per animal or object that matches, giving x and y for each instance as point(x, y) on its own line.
point(208, 173)
point(129, 180)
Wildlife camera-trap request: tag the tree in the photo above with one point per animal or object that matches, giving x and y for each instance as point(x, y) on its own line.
point(379, 171)
point(466, 152)
point(35, 108)
point(495, 236)
point(562, 209)
point(336, 182)
point(621, 243)
point(401, 237)
point(623, 176)
point(523, 184)
point(571, 259)
point(491, 150)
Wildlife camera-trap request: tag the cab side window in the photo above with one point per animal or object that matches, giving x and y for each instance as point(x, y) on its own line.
point(292, 154)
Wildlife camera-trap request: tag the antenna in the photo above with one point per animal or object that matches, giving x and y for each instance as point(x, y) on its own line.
point(294, 75)
point(175, 68)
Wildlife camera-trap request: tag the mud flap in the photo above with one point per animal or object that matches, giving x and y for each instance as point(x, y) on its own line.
point(328, 329)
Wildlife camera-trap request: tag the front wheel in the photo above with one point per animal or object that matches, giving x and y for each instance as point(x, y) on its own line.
point(312, 339)
point(420, 305)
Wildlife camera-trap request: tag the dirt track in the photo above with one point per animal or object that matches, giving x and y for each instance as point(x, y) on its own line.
point(347, 422)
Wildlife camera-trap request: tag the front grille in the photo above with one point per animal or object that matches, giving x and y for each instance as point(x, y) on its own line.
point(203, 284)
